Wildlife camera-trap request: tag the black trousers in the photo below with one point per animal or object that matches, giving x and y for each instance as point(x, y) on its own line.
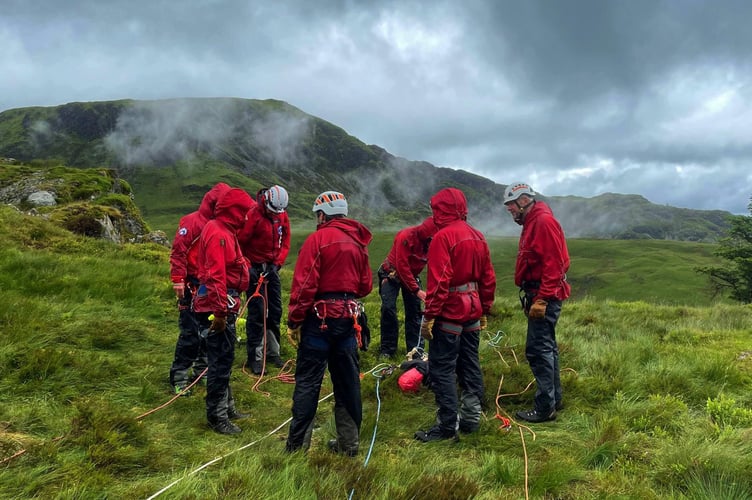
point(389, 289)
point(190, 349)
point(542, 352)
point(336, 348)
point(271, 291)
point(220, 349)
point(454, 359)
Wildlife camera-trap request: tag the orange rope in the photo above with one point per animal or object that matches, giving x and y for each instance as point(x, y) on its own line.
point(176, 396)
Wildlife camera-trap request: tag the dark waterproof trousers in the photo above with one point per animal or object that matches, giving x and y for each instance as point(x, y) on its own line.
point(190, 350)
point(337, 348)
point(265, 309)
point(389, 289)
point(542, 353)
point(454, 359)
point(220, 349)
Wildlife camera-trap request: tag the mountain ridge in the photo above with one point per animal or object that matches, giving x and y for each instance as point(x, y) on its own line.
point(271, 141)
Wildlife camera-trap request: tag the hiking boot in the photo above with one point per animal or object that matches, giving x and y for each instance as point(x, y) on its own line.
point(276, 361)
point(234, 414)
point(181, 389)
point(466, 428)
point(334, 447)
point(256, 367)
point(225, 427)
point(435, 434)
point(535, 416)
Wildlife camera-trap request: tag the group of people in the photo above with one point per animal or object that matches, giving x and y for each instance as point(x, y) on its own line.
point(234, 253)
point(232, 244)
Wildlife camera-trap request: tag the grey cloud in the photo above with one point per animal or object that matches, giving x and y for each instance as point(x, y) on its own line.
point(508, 89)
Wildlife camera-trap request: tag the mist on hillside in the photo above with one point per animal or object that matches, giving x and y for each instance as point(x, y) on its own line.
point(160, 133)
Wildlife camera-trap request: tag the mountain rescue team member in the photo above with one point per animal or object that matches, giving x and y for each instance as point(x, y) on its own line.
point(331, 272)
point(460, 291)
point(223, 273)
point(400, 272)
point(541, 274)
point(265, 241)
point(190, 349)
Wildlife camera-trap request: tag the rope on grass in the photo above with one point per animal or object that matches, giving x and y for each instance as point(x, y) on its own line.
point(176, 396)
point(379, 371)
point(211, 462)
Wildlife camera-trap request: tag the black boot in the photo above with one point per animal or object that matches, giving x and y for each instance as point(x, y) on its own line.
point(224, 426)
point(436, 434)
point(234, 414)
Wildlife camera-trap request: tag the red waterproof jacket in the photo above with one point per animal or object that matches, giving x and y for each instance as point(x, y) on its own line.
point(222, 266)
point(184, 254)
point(265, 237)
point(543, 256)
point(332, 259)
point(409, 253)
point(457, 258)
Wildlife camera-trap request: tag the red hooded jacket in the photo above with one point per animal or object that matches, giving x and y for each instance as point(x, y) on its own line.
point(184, 254)
point(332, 259)
point(222, 265)
point(458, 255)
point(265, 236)
point(409, 253)
point(543, 255)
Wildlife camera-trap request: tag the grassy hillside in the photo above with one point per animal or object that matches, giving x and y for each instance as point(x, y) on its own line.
point(657, 393)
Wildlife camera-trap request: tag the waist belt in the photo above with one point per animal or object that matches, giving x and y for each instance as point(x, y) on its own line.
point(456, 329)
point(467, 287)
point(335, 296)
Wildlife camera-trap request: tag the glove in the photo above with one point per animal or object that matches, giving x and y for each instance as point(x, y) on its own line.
point(179, 290)
point(484, 322)
point(293, 335)
point(426, 328)
point(219, 324)
point(538, 309)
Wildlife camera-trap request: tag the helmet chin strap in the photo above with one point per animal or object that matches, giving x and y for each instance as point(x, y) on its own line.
point(520, 216)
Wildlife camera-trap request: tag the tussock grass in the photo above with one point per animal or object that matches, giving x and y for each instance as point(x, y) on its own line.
point(657, 392)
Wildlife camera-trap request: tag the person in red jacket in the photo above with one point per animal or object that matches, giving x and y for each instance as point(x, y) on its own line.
point(541, 274)
point(331, 272)
point(190, 349)
point(223, 275)
point(265, 241)
point(459, 294)
point(400, 272)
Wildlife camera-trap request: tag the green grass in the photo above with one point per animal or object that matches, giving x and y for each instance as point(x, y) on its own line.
point(657, 388)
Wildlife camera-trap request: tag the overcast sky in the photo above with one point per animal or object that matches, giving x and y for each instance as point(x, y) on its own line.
point(576, 97)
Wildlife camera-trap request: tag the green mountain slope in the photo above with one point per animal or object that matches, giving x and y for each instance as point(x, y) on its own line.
point(174, 150)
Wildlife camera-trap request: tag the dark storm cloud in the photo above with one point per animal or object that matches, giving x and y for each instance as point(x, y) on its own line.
point(578, 97)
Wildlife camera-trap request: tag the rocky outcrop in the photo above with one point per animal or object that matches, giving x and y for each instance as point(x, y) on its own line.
point(89, 202)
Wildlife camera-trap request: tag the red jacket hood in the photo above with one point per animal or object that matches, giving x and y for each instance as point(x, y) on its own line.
point(426, 229)
point(448, 205)
point(206, 209)
point(353, 228)
point(232, 207)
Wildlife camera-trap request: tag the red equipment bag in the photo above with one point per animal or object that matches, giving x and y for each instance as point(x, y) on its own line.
point(410, 380)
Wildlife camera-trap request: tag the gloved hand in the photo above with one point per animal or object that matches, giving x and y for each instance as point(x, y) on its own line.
point(484, 323)
point(179, 289)
point(426, 328)
point(538, 309)
point(293, 335)
point(219, 324)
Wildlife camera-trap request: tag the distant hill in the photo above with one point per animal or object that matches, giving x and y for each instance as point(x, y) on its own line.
point(172, 151)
